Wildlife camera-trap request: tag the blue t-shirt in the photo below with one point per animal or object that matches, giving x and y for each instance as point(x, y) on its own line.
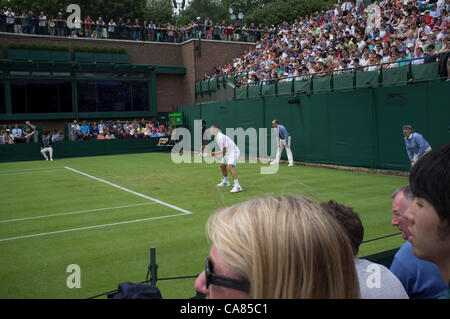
point(421, 278)
point(85, 129)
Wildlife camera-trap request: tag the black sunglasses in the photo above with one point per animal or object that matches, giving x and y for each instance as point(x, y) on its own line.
point(213, 279)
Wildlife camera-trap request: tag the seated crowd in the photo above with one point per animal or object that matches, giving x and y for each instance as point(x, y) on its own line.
point(345, 38)
point(118, 130)
point(13, 134)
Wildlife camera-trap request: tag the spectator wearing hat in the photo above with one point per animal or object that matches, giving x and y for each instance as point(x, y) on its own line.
point(60, 23)
point(7, 137)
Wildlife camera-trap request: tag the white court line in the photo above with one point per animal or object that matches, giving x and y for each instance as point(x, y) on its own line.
point(89, 227)
point(72, 213)
point(183, 211)
point(132, 192)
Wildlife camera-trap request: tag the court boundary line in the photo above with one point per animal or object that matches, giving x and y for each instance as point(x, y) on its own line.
point(131, 191)
point(89, 227)
point(72, 213)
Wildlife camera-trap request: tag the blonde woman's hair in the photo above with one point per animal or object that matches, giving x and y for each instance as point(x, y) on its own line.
point(285, 247)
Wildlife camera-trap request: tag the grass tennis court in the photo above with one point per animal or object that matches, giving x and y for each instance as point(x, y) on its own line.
point(104, 213)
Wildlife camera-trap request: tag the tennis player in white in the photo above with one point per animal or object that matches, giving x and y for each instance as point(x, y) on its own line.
point(230, 153)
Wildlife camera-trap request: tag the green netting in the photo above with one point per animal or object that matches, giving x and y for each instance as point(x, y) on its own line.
point(424, 72)
point(365, 78)
point(395, 76)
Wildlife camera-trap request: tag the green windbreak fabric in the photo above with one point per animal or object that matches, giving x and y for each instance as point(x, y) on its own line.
point(343, 82)
point(363, 79)
point(253, 91)
point(395, 76)
point(268, 89)
point(321, 85)
point(424, 72)
point(303, 85)
point(285, 88)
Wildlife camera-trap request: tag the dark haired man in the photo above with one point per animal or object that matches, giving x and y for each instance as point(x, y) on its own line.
point(429, 214)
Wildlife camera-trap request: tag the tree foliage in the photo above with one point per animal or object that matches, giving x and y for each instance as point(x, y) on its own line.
point(266, 12)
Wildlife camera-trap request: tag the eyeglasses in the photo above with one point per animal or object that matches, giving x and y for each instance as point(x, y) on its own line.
point(213, 279)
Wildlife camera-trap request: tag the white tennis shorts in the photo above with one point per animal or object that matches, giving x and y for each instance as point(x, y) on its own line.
point(231, 158)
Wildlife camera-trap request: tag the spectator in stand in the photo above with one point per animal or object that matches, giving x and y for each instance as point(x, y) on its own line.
point(137, 30)
point(101, 126)
point(33, 22)
point(136, 134)
point(94, 130)
point(9, 14)
point(42, 23)
point(160, 132)
point(88, 23)
point(17, 134)
point(85, 129)
point(60, 24)
point(51, 26)
point(7, 137)
point(77, 135)
point(57, 136)
point(109, 135)
point(100, 25)
point(28, 132)
point(127, 134)
point(112, 29)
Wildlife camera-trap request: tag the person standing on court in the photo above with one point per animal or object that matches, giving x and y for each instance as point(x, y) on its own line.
point(283, 140)
point(230, 154)
point(416, 145)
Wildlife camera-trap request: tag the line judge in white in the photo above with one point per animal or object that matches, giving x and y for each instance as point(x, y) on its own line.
point(230, 153)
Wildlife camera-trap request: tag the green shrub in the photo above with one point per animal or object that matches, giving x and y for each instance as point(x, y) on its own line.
point(33, 46)
point(12, 45)
point(122, 50)
point(44, 47)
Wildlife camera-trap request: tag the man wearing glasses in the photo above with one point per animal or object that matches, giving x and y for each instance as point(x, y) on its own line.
point(420, 278)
